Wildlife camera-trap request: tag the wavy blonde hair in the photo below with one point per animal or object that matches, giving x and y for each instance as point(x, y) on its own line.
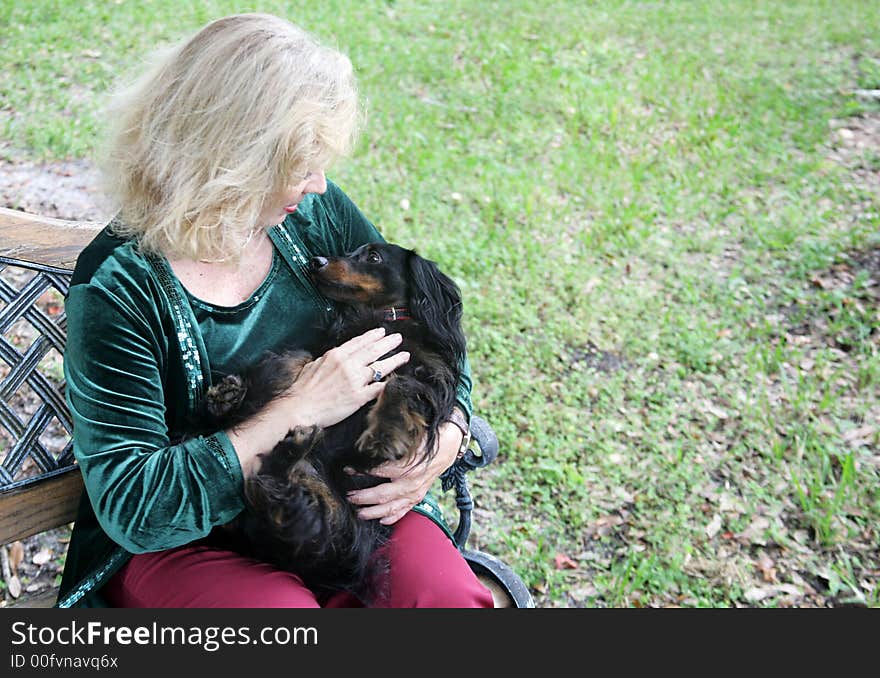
point(219, 122)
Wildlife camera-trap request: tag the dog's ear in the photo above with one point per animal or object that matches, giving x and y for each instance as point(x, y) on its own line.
point(435, 301)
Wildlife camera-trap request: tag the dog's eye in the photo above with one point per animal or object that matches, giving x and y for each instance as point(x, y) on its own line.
point(374, 257)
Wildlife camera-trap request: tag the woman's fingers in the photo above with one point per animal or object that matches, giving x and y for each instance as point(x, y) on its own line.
point(382, 368)
point(362, 340)
point(366, 349)
point(369, 345)
point(377, 349)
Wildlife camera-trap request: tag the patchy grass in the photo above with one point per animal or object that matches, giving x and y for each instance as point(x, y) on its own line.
point(664, 220)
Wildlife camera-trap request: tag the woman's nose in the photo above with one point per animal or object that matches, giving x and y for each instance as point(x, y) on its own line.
point(316, 183)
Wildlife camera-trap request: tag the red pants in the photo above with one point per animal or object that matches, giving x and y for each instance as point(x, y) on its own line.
point(426, 571)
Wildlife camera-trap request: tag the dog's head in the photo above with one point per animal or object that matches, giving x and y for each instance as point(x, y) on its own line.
point(374, 275)
point(382, 275)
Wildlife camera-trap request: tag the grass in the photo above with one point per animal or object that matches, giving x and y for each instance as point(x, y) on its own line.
point(673, 327)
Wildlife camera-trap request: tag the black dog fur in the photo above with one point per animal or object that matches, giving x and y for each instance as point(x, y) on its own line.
point(297, 516)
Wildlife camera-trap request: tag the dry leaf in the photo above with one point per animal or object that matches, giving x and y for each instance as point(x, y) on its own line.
point(16, 555)
point(714, 410)
point(756, 531)
point(14, 586)
point(42, 557)
point(563, 562)
point(861, 436)
point(767, 568)
point(758, 593)
point(714, 527)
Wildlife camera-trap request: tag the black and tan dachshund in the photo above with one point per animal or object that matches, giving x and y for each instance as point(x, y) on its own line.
point(297, 516)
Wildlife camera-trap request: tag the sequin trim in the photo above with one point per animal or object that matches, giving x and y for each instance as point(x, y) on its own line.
point(297, 257)
point(181, 314)
point(217, 449)
point(96, 579)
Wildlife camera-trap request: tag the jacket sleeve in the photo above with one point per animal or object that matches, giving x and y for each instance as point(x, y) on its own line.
point(148, 494)
point(355, 230)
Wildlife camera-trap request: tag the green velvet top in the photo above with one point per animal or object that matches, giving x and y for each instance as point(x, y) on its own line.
point(140, 353)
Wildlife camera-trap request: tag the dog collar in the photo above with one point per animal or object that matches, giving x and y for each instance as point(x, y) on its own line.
point(396, 313)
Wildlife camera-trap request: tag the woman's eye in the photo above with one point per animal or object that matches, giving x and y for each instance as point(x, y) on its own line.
point(374, 257)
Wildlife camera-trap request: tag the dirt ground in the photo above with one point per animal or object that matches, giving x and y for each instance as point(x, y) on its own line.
point(67, 190)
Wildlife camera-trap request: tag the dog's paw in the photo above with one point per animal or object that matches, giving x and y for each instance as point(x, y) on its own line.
point(227, 395)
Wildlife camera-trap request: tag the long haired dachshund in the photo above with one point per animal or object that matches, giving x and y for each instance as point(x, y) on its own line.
point(297, 516)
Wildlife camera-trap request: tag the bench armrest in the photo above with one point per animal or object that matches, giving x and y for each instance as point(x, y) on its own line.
point(456, 475)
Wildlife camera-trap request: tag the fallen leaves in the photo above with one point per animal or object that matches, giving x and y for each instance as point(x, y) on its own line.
point(9, 562)
point(714, 526)
point(42, 557)
point(761, 593)
point(564, 562)
point(23, 572)
point(767, 567)
point(16, 555)
point(862, 436)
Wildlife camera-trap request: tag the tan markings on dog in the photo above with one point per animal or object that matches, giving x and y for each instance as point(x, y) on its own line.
point(341, 273)
point(317, 487)
point(295, 362)
point(392, 432)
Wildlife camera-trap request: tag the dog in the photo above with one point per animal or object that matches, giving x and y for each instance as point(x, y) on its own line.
point(297, 516)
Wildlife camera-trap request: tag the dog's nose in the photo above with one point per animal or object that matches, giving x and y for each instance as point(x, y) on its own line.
point(317, 262)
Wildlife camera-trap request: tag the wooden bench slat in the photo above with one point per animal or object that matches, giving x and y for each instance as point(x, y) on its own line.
point(44, 240)
point(45, 598)
point(45, 505)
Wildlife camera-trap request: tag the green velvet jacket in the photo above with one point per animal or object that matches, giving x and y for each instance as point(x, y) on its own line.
point(140, 353)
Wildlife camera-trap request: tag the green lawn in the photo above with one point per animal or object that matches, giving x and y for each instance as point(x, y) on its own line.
point(664, 219)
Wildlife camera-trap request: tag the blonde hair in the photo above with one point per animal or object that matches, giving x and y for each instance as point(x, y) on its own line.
point(219, 122)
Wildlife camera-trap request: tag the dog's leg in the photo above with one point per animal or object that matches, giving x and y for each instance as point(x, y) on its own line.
point(299, 524)
point(296, 445)
point(394, 428)
point(238, 397)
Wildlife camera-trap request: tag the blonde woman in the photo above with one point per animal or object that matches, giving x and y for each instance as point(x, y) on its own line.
point(217, 159)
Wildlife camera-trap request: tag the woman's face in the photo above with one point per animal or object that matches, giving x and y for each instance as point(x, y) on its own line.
point(279, 205)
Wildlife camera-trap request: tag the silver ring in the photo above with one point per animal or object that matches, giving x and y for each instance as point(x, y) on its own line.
point(377, 375)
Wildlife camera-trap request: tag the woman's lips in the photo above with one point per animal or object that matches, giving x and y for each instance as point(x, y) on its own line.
point(290, 209)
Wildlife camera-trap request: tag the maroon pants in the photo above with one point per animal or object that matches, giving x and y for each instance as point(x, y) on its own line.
point(426, 571)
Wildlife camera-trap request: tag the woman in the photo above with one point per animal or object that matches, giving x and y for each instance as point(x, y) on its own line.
point(217, 160)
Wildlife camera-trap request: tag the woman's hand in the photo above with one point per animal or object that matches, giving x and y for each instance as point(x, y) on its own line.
point(337, 384)
point(410, 482)
point(327, 390)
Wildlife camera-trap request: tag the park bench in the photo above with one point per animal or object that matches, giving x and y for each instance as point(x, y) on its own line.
point(40, 484)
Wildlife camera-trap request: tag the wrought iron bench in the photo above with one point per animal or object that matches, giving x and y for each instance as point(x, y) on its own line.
point(40, 484)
